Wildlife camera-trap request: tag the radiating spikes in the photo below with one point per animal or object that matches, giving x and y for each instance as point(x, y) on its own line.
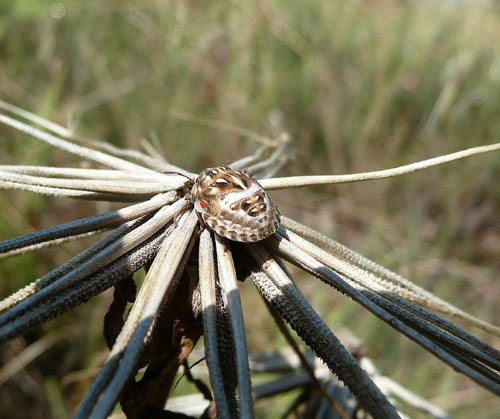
point(161, 280)
point(67, 267)
point(280, 291)
point(94, 174)
point(74, 193)
point(306, 365)
point(301, 181)
point(227, 351)
point(365, 280)
point(300, 258)
point(84, 152)
point(208, 300)
point(398, 284)
point(84, 289)
point(99, 260)
point(162, 231)
point(84, 225)
point(279, 157)
point(115, 186)
point(228, 281)
point(244, 162)
point(49, 243)
point(70, 135)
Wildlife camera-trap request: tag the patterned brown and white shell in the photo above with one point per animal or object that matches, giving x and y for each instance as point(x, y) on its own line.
point(234, 205)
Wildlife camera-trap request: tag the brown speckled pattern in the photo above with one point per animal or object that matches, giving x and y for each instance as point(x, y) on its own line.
point(234, 204)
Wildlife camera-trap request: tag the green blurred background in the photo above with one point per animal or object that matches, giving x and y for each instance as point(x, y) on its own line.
point(358, 85)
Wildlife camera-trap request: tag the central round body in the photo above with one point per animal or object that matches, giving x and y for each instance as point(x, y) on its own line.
point(234, 205)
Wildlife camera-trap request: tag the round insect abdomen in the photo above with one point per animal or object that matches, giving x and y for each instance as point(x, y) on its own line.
point(234, 205)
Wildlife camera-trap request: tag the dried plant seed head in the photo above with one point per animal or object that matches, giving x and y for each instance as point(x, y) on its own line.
point(234, 205)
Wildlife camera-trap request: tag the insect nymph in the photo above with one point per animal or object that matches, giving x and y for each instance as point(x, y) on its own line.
point(234, 205)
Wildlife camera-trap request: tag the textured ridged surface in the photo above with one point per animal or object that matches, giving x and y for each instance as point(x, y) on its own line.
point(234, 205)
